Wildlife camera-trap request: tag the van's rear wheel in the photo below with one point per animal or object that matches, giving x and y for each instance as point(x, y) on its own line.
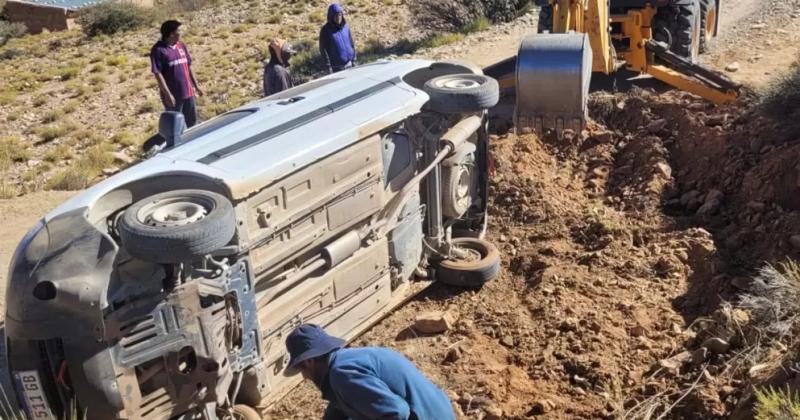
point(477, 263)
point(177, 226)
point(245, 412)
point(462, 93)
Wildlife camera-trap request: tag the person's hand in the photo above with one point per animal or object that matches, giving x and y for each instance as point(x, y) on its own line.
point(169, 100)
point(199, 91)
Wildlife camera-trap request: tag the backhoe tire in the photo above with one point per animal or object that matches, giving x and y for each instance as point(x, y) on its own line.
point(461, 93)
point(473, 273)
point(708, 23)
point(545, 19)
point(679, 25)
point(177, 226)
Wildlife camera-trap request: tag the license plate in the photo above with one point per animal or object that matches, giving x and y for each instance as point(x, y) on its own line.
point(33, 395)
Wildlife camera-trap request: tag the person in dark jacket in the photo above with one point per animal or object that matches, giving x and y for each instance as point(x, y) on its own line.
point(277, 76)
point(336, 42)
point(364, 383)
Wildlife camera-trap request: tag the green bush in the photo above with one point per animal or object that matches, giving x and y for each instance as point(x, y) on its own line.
point(780, 404)
point(110, 18)
point(10, 30)
point(452, 15)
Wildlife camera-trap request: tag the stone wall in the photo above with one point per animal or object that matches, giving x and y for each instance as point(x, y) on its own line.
point(37, 17)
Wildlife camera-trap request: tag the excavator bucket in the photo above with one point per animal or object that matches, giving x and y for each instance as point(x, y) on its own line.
point(552, 86)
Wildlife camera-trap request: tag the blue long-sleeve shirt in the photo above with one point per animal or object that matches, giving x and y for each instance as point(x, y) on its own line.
point(377, 383)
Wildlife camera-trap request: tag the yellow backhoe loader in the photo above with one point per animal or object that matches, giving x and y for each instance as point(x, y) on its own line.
point(551, 73)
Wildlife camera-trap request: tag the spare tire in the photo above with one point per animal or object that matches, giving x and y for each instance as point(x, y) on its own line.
point(461, 93)
point(177, 226)
point(474, 272)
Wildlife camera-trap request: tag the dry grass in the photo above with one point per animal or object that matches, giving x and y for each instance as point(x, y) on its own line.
point(777, 404)
point(12, 150)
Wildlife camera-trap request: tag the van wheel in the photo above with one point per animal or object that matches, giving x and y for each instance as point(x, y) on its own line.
point(245, 412)
point(461, 93)
point(177, 226)
point(480, 264)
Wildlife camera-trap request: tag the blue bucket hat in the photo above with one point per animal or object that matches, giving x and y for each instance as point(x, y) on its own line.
point(309, 341)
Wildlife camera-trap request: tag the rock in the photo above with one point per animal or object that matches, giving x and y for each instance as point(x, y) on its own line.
point(434, 322)
point(569, 324)
point(732, 67)
point(756, 206)
point(493, 412)
point(604, 137)
point(756, 144)
point(542, 407)
point(742, 283)
point(664, 169)
point(712, 203)
point(758, 26)
point(794, 240)
point(110, 171)
point(716, 345)
point(674, 363)
point(122, 157)
point(754, 371)
point(699, 356)
point(637, 331)
point(507, 341)
point(713, 195)
point(726, 390)
point(656, 125)
point(454, 354)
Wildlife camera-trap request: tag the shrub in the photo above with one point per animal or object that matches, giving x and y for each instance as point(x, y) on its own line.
point(113, 17)
point(781, 99)
point(772, 404)
point(52, 116)
point(10, 30)
point(481, 23)
point(12, 150)
point(11, 53)
point(7, 190)
point(7, 97)
point(457, 14)
point(67, 73)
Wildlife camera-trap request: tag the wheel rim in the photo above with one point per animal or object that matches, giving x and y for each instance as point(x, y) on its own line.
point(463, 188)
point(179, 211)
point(711, 17)
point(456, 83)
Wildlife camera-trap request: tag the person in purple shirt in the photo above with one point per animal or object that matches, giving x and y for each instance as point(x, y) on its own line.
point(171, 64)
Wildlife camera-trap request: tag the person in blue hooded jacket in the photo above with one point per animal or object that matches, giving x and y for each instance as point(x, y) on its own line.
point(336, 42)
point(364, 383)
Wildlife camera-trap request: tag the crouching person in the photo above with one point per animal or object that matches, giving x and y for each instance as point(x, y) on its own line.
point(364, 383)
point(277, 76)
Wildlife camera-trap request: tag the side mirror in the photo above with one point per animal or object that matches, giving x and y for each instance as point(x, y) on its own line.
point(171, 126)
